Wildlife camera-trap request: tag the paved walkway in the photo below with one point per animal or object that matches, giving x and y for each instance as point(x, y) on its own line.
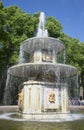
point(9, 108)
point(15, 108)
point(77, 107)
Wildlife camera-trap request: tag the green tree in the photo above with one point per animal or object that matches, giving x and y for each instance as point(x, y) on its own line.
point(54, 27)
point(75, 55)
point(15, 27)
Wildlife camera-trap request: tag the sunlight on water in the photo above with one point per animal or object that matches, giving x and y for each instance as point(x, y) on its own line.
point(14, 116)
point(12, 121)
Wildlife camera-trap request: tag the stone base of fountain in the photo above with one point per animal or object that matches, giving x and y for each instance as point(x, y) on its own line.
point(45, 116)
point(43, 99)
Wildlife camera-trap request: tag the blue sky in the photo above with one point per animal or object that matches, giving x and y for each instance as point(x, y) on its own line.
point(70, 13)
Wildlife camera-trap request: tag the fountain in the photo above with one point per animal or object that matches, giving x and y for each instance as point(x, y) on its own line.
point(42, 80)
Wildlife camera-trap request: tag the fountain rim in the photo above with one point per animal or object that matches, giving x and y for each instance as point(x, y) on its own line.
point(52, 38)
point(43, 64)
point(49, 64)
point(17, 70)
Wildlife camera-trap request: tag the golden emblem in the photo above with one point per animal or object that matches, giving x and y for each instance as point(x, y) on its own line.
point(20, 100)
point(52, 97)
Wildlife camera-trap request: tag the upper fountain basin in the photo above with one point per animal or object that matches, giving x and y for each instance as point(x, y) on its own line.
point(37, 43)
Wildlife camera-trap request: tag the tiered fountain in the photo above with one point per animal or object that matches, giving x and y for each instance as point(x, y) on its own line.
point(43, 79)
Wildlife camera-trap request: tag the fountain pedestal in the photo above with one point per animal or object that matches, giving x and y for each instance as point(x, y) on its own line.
point(39, 98)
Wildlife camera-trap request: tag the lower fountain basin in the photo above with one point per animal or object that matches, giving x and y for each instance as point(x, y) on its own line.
point(41, 71)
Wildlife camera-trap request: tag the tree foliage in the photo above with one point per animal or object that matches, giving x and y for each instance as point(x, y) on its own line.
point(54, 27)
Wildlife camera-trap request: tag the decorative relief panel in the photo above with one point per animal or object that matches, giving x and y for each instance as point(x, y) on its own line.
point(47, 55)
point(50, 98)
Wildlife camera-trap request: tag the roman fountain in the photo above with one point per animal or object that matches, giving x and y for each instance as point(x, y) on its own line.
point(42, 79)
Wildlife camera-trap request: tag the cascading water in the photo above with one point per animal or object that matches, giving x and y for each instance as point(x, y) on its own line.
point(42, 72)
